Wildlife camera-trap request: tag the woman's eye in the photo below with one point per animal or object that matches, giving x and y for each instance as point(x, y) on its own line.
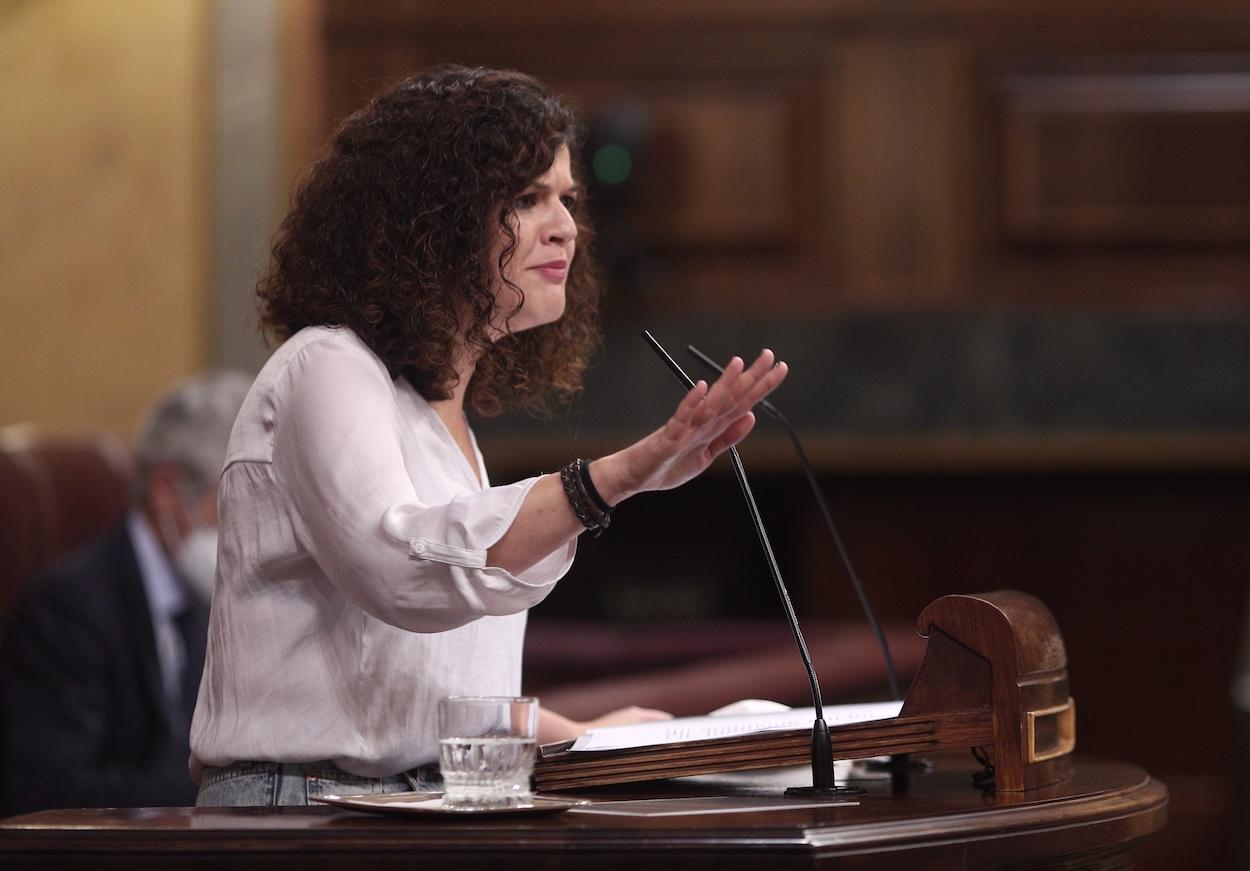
point(570, 202)
point(526, 201)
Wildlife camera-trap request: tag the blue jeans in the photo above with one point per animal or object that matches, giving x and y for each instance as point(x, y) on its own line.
point(283, 784)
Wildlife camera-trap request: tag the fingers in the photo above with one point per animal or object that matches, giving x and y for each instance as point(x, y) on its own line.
point(770, 381)
point(722, 395)
point(636, 714)
point(628, 716)
point(651, 715)
point(705, 413)
point(680, 428)
point(707, 421)
point(762, 364)
point(733, 434)
point(690, 403)
point(738, 391)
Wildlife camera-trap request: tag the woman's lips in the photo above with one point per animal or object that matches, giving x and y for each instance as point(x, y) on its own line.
point(553, 270)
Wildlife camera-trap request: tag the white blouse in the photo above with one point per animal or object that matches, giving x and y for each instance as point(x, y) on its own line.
point(352, 587)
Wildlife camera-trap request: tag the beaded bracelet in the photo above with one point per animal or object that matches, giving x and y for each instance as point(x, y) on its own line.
point(580, 500)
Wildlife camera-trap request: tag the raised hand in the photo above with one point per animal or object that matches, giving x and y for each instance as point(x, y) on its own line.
point(707, 421)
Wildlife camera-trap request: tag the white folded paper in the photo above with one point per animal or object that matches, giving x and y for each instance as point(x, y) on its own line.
point(703, 728)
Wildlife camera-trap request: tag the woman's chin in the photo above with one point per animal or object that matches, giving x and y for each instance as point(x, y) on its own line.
point(536, 314)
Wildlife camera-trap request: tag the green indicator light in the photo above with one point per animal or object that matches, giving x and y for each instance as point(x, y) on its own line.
point(612, 164)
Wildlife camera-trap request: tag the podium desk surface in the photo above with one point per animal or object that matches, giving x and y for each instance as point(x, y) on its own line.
point(940, 820)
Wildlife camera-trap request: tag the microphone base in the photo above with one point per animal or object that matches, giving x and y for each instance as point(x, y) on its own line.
point(803, 791)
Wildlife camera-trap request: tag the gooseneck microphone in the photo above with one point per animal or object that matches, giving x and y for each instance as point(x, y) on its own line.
point(771, 410)
point(822, 752)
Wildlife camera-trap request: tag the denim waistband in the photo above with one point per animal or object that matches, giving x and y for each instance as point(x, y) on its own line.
point(257, 783)
point(320, 767)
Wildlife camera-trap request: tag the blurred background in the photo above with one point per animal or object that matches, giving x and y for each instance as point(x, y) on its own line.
point(1004, 247)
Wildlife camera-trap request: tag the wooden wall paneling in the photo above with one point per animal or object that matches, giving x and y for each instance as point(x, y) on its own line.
point(911, 108)
point(730, 202)
point(1065, 17)
point(105, 185)
point(729, 206)
point(905, 212)
point(1129, 156)
point(1086, 212)
point(724, 170)
point(722, 161)
point(304, 81)
point(945, 173)
point(350, 78)
point(1146, 576)
point(878, 227)
point(827, 159)
point(726, 200)
point(357, 66)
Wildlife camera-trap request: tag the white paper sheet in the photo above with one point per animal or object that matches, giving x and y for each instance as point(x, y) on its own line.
point(702, 728)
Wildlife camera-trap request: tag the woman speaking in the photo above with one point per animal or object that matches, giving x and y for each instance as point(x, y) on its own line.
point(434, 258)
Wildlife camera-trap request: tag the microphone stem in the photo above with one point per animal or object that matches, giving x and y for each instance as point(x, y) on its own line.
point(822, 748)
point(810, 473)
point(812, 482)
point(758, 522)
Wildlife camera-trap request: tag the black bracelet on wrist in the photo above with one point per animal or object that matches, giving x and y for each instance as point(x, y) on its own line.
point(583, 470)
point(579, 500)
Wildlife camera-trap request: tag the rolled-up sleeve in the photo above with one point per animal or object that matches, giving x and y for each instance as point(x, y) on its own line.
point(337, 454)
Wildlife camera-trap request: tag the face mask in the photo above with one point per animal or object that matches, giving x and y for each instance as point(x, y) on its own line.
point(196, 560)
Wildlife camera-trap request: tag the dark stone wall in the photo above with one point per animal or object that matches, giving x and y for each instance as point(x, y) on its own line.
point(916, 374)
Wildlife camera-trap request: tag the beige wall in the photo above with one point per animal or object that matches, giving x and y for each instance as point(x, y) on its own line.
point(105, 218)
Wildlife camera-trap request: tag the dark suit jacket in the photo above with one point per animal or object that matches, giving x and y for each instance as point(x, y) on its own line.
point(84, 720)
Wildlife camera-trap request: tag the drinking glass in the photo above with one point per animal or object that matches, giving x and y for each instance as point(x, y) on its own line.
point(486, 750)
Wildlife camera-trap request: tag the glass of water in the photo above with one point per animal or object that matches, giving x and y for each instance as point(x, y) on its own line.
point(486, 750)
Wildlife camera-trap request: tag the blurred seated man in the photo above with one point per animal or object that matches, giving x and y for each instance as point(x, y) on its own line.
point(101, 662)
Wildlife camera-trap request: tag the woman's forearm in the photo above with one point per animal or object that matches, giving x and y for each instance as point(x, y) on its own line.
point(553, 727)
point(546, 521)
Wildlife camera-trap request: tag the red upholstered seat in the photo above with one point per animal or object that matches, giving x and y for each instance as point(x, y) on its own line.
point(56, 494)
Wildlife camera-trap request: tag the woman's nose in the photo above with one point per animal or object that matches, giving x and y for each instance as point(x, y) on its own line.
point(561, 227)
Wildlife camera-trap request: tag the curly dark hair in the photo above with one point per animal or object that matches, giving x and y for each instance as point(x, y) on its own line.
point(392, 230)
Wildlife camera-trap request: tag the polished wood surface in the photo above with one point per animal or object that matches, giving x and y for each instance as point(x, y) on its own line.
point(1093, 820)
point(994, 677)
point(851, 155)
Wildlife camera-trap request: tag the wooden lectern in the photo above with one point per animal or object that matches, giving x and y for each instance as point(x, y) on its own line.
point(994, 676)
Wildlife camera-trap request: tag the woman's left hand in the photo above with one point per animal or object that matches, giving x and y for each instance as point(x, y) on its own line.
point(706, 423)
